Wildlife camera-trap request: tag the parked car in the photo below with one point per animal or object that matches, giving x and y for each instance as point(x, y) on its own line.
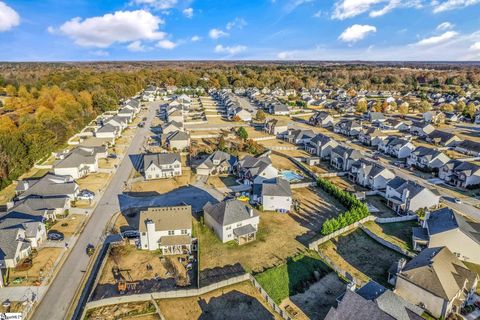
point(456, 200)
point(86, 195)
point(112, 156)
point(55, 235)
point(141, 124)
point(130, 234)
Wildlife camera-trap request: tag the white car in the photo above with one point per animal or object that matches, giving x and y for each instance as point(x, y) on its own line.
point(86, 195)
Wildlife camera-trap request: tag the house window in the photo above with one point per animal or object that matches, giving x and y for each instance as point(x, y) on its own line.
point(184, 231)
point(228, 228)
point(149, 176)
point(239, 224)
point(229, 235)
point(145, 246)
point(171, 232)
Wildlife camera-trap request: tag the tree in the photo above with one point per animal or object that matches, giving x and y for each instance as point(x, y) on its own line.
point(447, 107)
point(242, 133)
point(424, 106)
point(469, 111)
point(362, 106)
point(378, 106)
point(460, 106)
point(260, 116)
point(11, 90)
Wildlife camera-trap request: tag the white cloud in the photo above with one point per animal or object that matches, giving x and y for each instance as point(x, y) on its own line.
point(452, 5)
point(217, 33)
point(238, 23)
point(157, 4)
point(318, 14)
point(445, 26)
point(344, 9)
point(293, 4)
point(100, 53)
point(435, 40)
point(9, 18)
point(136, 46)
point(188, 12)
point(475, 46)
point(356, 32)
point(166, 44)
point(195, 38)
point(121, 27)
point(230, 50)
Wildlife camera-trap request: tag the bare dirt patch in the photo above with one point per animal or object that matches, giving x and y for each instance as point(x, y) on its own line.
point(69, 225)
point(237, 301)
point(162, 185)
point(223, 181)
point(138, 310)
point(319, 298)
point(283, 163)
point(93, 182)
point(43, 263)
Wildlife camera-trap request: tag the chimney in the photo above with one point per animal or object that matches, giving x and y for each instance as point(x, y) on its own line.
point(250, 212)
point(401, 264)
point(406, 194)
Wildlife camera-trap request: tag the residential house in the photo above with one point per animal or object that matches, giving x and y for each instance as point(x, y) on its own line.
point(168, 229)
point(279, 109)
point(80, 162)
point(370, 175)
point(108, 131)
point(172, 126)
point(254, 170)
point(406, 196)
point(393, 124)
point(427, 159)
point(14, 246)
point(177, 140)
point(276, 127)
point(349, 128)
point(437, 281)
point(451, 117)
point(342, 158)
point(322, 119)
point(421, 129)
point(436, 117)
point(375, 117)
point(127, 113)
point(273, 194)
point(443, 138)
point(396, 147)
point(232, 220)
point(48, 186)
point(461, 174)
point(446, 228)
point(241, 113)
point(162, 165)
point(372, 136)
point(299, 136)
point(321, 145)
point(469, 147)
point(120, 122)
point(175, 115)
point(218, 162)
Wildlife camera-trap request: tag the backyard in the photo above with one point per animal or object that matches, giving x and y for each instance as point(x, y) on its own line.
point(93, 182)
point(160, 186)
point(360, 256)
point(127, 311)
point(222, 181)
point(398, 233)
point(42, 264)
point(292, 277)
point(238, 301)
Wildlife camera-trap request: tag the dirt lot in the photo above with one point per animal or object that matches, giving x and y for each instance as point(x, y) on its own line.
point(93, 182)
point(139, 310)
point(345, 184)
point(162, 185)
point(127, 257)
point(70, 224)
point(222, 181)
point(361, 256)
point(42, 264)
point(239, 301)
point(271, 247)
point(275, 143)
point(318, 299)
point(282, 163)
point(256, 133)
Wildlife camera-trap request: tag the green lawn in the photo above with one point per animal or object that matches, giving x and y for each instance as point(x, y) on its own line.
point(292, 277)
point(398, 233)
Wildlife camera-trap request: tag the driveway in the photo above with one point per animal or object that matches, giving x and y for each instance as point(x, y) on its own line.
point(61, 292)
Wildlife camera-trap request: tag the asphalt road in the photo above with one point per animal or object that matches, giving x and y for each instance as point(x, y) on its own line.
point(56, 302)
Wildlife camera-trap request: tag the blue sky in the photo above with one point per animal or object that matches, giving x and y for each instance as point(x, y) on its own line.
point(60, 30)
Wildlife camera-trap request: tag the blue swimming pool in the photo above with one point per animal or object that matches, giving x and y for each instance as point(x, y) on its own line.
point(291, 176)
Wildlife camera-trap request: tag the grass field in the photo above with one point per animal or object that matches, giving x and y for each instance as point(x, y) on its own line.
point(361, 256)
point(292, 277)
point(399, 233)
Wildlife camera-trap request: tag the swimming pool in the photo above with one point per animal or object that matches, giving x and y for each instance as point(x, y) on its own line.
point(291, 176)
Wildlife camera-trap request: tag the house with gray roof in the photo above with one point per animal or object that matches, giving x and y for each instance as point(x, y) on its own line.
point(447, 228)
point(443, 138)
point(172, 126)
point(232, 220)
point(48, 186)
point(342, 157)
point(427, 159)
point(279, 109)
point(276, 127)
point(299, 136)
point(469, 147)
point(421, 129)
point(372, 136)
point(406, 196)
point(437, 281)
point(460, 174)
point(178, 140)
point(162, 165)
point(108, 131)
point(322, 119)
point(396, 147)
point(350, 128)
point(273, 194)
point(13, 247)
point(253, 170)
point(321, 145)
point(80, 161)
point(370, 174)
point(168, 229)
point(218, 162)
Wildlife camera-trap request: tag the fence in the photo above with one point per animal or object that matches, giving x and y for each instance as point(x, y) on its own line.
point(397, 219)
point(303, 185)
point(387, 243)
point(264, 138)
point(314, 244)
point(340, 271)
point(269, 300)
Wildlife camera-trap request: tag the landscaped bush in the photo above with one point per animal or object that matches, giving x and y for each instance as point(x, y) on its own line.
point(356, 209)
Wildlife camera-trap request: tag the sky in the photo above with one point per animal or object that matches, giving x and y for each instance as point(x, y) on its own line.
point(93, 30)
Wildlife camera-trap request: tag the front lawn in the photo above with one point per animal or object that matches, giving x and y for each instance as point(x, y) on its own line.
point(292, 277)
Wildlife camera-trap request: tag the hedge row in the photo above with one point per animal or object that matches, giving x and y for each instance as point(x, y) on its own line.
point(356, 209)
